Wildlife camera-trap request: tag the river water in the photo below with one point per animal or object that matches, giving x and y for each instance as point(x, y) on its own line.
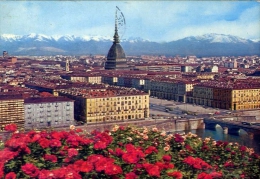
point(242, 138)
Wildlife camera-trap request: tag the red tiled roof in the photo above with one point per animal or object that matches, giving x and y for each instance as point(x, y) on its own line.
point(47, 100)
point(10, 96)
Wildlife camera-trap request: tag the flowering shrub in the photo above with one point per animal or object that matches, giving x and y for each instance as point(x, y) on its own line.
point(123, 152)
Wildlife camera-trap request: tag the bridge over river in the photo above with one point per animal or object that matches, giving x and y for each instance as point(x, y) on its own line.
point(232, 127)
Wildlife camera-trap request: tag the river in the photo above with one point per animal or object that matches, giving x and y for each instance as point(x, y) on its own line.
point(242, 139)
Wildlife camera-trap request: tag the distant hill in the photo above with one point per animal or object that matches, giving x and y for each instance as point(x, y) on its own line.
point(205, 45)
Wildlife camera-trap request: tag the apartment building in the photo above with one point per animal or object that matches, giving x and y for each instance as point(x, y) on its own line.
point(245, 98)
point(203, 95)
point(227, 94)
point(171, 89)
point(11, 110)
point(230, 63)
point(159, 67)
point(108, 104)
point(95, 79)
point(110, 79)
point(48, 112)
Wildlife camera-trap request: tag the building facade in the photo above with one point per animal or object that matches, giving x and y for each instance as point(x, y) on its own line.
point(11, 110)
point(230, 95)
point(104, 105)
point(95, 79)
point(48, 112)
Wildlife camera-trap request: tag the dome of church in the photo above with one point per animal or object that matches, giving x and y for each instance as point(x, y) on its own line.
point(116, 58)
point(116, 51)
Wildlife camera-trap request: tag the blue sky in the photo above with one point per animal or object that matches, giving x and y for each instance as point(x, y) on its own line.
point(154, 20)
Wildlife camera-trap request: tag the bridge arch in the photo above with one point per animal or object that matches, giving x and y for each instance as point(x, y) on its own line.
point(226, 128)
point(232, 128)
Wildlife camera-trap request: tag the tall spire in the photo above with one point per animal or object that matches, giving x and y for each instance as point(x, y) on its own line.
point(116, 36)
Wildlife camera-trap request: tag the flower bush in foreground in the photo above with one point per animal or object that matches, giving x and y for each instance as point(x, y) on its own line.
point(123, 152)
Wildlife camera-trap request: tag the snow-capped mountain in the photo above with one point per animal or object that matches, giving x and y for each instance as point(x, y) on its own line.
point(204, 45)
point(69, 38)
point(218, 38)
point(9, 37)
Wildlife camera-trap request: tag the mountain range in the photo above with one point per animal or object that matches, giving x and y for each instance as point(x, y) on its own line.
point(205, 45)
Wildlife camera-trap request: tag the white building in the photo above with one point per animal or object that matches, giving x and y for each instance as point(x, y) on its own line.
point(48, 112)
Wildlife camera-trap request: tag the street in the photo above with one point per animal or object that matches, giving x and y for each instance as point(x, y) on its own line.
point(160, 108)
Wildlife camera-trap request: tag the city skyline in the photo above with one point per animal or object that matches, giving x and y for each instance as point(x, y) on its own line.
point(156, 21)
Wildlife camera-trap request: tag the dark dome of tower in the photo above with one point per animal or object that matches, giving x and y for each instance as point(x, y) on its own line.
point(116, 58)
point(116, 51)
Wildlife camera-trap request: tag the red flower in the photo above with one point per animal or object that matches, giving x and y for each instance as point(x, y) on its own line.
point(216, 174)
point(175, 174)
point(56, 135)
point(113, 170)
point(225, 143)
point(132, 154)
point(160, 165)
point(103, 163)
point(178, 138)
point(11, 127)
point(122, 128)
point(197, 166)
point(10, 175)
point(1, 169)
point(150, 150)
point(36, 137)
point(18, 142)
point(72, 152)
point(44, 134)
point(44, 143)
point(55, 143)
point(152, 170)
point(6, 155)
point(229, 164)
point(189, 160)
point(94, 158)
point(46, 174)
point(66, 173)
point(167, 158)
point(102, 140)
point(205, 147)
point(119, 152)
point(30, 169)
point(188, 147)
point(204, 175)
point(51, 158)
point(219, 143)
point(83, 166)
point(73, 140)
point(78, 130)
point(66, 160)
point(130, 157)
point(228, 149)
point(168, 166)
point(196, 163)
point(242, 148)
point(130, 175)
point(99, 145)
point(86, 141)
